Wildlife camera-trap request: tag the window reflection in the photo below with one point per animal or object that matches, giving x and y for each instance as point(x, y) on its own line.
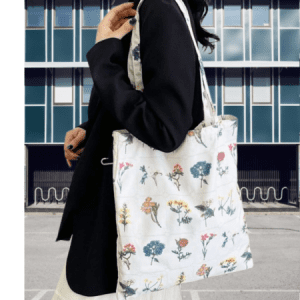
point(91, 13)
point(233, 12)
point(260, 12)
point(233, 88)
point(63, 90)
point(35, 13)
point(63, 13)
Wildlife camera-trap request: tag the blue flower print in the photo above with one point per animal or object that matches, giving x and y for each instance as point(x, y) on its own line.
point(201, 169)
point(154, 248)
point(136, 52)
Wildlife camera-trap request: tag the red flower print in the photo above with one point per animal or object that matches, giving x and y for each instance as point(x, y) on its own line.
point(204, 237)
point(121, 165)
point(221, 156)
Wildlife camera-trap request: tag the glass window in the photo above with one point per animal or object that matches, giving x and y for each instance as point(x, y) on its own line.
point(260, 12)
point(91, 13)
point(116, 2)
point(35, 16)
point(289, 86)
point(233, 88)
point(63, 89)
point(63, 13)
point(233, 12)
point(289, 13)
point(261, 85)
point(209, 18)
point(87, 85)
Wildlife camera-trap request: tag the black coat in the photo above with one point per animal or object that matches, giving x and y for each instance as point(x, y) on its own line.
point(161, 116)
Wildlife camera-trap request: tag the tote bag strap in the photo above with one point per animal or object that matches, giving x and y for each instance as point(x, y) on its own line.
point(135, 66)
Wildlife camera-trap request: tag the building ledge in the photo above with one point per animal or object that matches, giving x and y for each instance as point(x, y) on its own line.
point(207, 64)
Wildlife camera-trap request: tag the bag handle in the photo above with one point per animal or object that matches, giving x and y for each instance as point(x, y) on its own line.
point(135, 66)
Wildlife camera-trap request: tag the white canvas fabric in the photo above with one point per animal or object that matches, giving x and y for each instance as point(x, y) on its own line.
point(180, 215)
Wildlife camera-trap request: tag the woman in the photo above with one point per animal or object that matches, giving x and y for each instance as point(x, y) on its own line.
point(160, 116)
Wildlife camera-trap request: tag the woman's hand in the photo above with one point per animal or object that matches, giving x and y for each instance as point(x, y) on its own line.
point(114, 23)
point(73, 137)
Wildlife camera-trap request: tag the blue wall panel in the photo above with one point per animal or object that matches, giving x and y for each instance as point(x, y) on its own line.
point(247, 26)
point(88, 41)
point(276, 107)
point(289, 44)
point(290, 124)
point(49, 32)
point(219, 11)
point(62, 122)
point(35, 86)
point(275, 29)
point(84, 116)
point(248, 106)
point(35, 46)
point(261, 44)
point(63, 45)
point(49, 105)
point(77, 95)
point(34, 124)
point(77, 30)
point(262, 124)
point(237, 111)
point(289, 84)
point(233, 44)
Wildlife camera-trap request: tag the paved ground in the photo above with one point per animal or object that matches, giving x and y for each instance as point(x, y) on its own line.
point(275, 275)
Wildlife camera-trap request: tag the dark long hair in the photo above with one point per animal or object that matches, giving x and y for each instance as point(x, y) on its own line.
point(199, 11)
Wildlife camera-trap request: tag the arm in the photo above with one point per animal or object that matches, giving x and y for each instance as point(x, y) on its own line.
point(161, 115)
point(83, 125)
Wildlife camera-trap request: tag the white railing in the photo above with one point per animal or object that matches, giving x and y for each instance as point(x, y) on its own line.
point(261, 194)
point(48, 198)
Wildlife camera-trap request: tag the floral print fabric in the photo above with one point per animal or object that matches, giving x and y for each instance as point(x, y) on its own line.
point(180, 215)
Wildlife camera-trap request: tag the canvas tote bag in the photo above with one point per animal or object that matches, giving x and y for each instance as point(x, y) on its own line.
point(179, 215)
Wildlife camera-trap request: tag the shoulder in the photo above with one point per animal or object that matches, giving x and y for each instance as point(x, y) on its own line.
point(160, 11)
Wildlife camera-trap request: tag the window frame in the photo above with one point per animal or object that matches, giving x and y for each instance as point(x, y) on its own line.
point(26, 18)
point(270, 16)
point(252, 88)
point(223, 16)
point(243, 87)
point(89, 27)
point(73, 81)
point(54, 16)
point(214, 18)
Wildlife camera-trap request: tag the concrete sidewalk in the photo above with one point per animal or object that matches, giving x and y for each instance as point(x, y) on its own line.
point(275, 247)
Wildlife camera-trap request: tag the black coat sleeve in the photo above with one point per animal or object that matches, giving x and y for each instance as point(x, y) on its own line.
point(161, 115)
point(83, 125)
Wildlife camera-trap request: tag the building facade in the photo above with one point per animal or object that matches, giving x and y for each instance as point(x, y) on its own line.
point(253, 74)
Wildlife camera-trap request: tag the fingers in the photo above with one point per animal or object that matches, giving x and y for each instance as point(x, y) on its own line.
point(80, 136)
point(73, 137)
point(122, 15)
point(124, 29)
point(70, 135)
point(118, 24)
point(119, 12)
point(70, 155)
point(69, 163)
